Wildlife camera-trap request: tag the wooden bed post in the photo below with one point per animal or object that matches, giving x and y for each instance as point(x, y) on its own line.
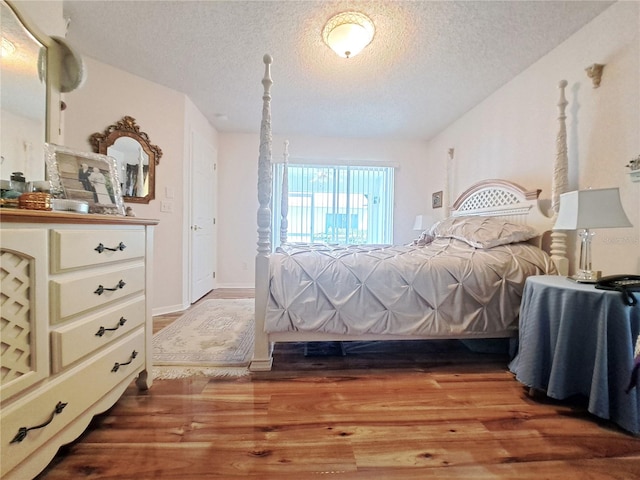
point(262, 358)
point(284, 201)
point(560, 185)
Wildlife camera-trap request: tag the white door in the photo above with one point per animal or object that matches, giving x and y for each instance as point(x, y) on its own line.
point(203, 223)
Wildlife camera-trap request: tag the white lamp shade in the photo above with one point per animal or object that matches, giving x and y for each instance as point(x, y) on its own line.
point(422, 222)
point(585, 209)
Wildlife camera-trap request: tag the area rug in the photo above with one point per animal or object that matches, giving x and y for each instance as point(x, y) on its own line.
point(214, 339)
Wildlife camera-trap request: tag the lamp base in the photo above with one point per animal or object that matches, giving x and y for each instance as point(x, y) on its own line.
point(586, 276)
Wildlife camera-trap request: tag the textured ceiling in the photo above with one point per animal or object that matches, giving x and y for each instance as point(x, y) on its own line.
point(429, 62)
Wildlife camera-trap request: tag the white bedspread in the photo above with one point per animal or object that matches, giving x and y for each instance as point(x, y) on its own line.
point(444, 289)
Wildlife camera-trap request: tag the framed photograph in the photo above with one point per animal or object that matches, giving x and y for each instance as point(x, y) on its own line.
point(436, 200)
point(88, 177)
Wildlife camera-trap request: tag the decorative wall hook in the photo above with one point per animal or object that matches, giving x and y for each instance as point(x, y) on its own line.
point(594, 72)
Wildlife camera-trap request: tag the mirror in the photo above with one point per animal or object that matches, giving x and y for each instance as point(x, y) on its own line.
point(135, 156)
point(23, 98)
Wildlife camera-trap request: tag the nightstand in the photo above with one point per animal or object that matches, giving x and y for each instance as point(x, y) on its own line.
point(577, 340)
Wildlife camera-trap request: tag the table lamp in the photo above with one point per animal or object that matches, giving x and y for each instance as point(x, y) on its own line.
point(586, 209)
point(422, 222)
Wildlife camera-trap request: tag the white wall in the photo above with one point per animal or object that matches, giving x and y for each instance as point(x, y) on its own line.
point(238, 178)
point(512, 133)
point(109, 94)
point(21, 140)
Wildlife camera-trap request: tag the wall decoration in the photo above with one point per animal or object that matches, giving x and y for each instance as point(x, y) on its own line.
point(436, 200)
point(135, 156)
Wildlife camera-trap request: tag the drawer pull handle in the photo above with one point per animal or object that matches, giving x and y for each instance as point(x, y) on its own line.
point(101, 248)
point(100, 290)
point(117, 365)
point(101, 330)
point(23, 431)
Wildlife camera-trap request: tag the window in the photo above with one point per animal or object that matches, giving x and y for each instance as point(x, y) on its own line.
point(335, 204)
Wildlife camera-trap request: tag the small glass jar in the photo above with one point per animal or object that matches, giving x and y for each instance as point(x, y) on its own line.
point(18, 182)
point(43, 186)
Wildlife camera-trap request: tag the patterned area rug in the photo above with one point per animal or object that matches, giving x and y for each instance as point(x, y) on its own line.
point(215, 339)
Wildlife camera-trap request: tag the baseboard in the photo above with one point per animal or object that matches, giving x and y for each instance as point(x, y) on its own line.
point(247, 286)
point(168, 309)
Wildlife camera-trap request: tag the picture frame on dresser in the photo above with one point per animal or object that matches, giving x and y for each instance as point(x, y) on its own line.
point(85, 176)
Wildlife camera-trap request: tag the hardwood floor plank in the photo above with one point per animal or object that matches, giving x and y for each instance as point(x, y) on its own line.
point(398, 410)
point(242, 459)
point(463, 446)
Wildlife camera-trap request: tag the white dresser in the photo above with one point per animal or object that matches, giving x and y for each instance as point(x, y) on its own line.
point(75, 326)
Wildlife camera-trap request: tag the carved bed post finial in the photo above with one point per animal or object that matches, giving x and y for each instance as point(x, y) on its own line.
point(284, 205)
point(446, 194)
point(262, 359)
point(560, 184)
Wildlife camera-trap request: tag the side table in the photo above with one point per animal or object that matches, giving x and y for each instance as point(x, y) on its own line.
point(577, 340)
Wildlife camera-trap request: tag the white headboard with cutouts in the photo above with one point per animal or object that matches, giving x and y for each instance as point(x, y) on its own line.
point(502, 198)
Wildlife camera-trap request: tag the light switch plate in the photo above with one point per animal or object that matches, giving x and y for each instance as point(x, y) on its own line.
point(166, 206)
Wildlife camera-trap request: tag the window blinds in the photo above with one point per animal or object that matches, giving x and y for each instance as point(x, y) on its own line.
point(335, 204)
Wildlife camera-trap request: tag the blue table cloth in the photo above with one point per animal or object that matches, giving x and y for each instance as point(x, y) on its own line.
point(577, 340)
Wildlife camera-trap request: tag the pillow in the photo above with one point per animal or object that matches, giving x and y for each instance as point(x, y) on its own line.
point(483, 232)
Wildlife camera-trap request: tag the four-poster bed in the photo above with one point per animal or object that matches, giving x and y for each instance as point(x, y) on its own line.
point(466, 283)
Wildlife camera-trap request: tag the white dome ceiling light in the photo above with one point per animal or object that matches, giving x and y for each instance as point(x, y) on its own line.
point(348, 33)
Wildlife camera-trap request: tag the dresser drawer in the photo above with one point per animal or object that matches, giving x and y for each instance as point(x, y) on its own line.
point(74, 294)
point(82, 248)
point(79, 388)
point(73, 341)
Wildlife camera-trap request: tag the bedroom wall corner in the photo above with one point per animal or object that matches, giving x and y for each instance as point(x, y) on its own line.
point(512, 133)
point(106, 96)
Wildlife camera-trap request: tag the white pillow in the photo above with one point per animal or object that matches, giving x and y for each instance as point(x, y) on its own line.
point(483, 232)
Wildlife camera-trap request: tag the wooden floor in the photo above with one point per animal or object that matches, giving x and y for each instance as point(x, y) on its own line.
point(412, 410)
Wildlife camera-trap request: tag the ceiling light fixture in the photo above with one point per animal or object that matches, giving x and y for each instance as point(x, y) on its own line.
point(348, 33)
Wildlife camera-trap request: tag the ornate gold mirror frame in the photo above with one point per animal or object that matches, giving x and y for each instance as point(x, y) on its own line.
point(135, 155)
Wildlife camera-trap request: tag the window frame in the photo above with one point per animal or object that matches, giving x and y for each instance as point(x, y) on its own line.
point(385, 199)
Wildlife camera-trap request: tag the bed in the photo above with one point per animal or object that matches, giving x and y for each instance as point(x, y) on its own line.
point(462, 280)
